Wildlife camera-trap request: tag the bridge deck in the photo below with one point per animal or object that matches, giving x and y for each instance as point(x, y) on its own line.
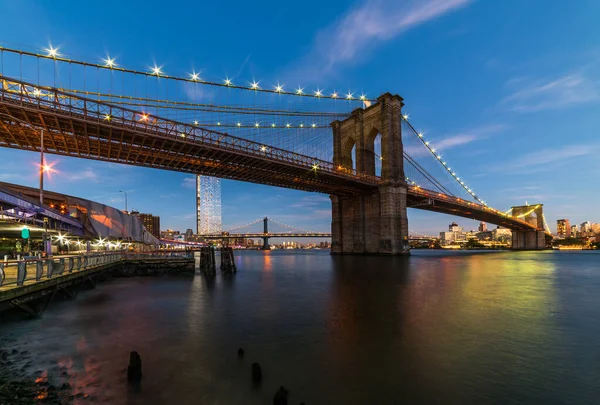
point(80, 127)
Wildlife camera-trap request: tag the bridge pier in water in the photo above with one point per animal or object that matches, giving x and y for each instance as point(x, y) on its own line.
point(265, 239)
point(533, 239)
point(373, 223)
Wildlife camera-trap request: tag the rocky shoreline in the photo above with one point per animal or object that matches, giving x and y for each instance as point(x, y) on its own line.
point(19, 385)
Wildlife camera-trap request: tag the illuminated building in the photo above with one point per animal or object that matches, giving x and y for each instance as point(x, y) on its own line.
point(151, 223)
point(585, 227)
point(208, 205)
point(563, 228)
point(573, 231)
point(482, 227)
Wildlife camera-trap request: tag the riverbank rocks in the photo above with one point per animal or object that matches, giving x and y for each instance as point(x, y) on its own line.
point(134, 370)
point(256, 373)
point(281, 396)
point(240, 352)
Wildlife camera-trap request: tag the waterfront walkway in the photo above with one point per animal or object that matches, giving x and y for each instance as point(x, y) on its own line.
point(23, 277)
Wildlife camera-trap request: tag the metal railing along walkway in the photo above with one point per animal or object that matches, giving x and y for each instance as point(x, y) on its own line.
point(18, 273)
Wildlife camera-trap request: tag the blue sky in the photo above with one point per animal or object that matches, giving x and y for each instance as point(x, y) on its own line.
point(507, 91)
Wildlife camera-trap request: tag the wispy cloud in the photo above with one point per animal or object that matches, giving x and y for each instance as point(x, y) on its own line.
point(548, 156)
point(549, 94)
point(311, 201)
point(368, 24)
point(86, 175)
point(465, 137)
point(189, 182)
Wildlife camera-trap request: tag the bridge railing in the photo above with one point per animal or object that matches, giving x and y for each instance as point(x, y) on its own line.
point(29, 270)
point(456, 200)
point(105, 113)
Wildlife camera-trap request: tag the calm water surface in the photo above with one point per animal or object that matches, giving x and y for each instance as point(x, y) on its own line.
point(438, 327)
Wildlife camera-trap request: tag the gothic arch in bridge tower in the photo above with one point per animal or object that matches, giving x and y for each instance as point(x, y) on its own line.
point(349, 153)
point(376, 222)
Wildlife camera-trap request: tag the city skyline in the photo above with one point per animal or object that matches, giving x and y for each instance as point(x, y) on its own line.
point(499, 123)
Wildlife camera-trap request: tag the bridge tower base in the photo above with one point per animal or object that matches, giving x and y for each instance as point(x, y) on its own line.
point(370, 224)
point(531, 239)
point(528, 240)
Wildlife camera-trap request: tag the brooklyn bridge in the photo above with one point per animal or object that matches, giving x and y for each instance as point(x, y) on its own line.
point(366, 154)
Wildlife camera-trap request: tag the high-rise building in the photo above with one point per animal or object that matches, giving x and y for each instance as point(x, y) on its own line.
point(189, 234)
point(563, 228)
point(482, 227)
point(585, 227)
point(453, 227)
point(574, 231)
point(150, 222)
point(208, 205)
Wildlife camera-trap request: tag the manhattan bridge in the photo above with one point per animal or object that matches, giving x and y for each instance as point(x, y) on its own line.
point(363, 151)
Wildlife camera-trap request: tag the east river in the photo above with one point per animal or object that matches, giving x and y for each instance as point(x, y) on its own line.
point(437, 327)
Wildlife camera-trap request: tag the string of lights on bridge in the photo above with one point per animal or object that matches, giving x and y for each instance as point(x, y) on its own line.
point(186, 105)
point(42, 94)
point(438, 156)
point(108, 63)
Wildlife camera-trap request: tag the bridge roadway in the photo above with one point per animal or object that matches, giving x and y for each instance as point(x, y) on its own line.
point(269, 235)
point(79, 127)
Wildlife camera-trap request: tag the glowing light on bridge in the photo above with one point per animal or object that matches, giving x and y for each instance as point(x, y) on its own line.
point(315, 166)
point(301, 125)
point(52, 52)
point(300, 91)
point(318, 93)
point(195, 122)
point(287, 125)
point(273, 125)
point(227, 82)
point(362, 97)
point(278, 88)
point(239, 124)
point(314, 125)
point(109, 62)
point(257, 125)
point(107, 117)
point(405, 116)
point(349, 96)
point(254, 86)
point(156, 70)
point(144, 117)
point(263, 148)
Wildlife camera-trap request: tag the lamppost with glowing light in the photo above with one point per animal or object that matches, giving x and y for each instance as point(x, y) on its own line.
point(43, 168)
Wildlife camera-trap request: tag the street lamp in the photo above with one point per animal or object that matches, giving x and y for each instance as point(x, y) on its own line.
point(124, 192)
point(43, 166)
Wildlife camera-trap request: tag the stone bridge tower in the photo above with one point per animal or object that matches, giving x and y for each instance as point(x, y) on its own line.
point(374, 223)
point(534, 238)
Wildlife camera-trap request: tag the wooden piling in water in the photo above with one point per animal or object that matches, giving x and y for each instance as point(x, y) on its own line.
point(227, 260)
